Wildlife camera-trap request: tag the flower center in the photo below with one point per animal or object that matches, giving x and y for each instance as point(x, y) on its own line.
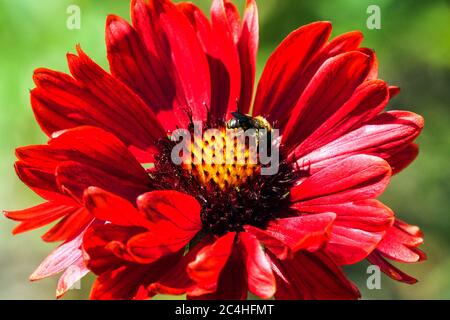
point(222, 158)
point(225, 175)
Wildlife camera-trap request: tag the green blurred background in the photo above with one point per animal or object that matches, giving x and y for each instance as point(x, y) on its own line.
point(413, 46)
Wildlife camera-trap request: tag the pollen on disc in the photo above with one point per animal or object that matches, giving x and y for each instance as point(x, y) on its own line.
point(222, 158)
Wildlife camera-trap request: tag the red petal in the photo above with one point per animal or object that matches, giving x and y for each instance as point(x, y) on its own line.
point(101, 159)
point(307, 232)
point(373, 72)
point(279, 87)
point(149, 29)
point(343, 43)
point(38, 216)
point(393, 272)
point(386, 135)
point(76, 178)
point(171, 209)
point(106, 206)
point(332, 85)
point(96, 245)
point(59, 260)
point(164, 29)
point(225, 29)
point(357, 230)
point(95, 150)
point(175, 220)
point(119, 278)
point(369, 215)
point(222, 59)
point(354, 178)
point(234, 19)
point(311, 276)
point(98, 148)
point(402, 159)
point(42, 182)
point(193, 77)
point(346, 42)
point(134, 113)
point(95, 98)
point(393, 91)
point(123, 283)
point(210, 261)
point(400, 243)
point(412, 230)
point(232, 282)
point(369, 99)
point(177, 281)
point(231, 51)
point(96, 158)
point(261, 280)
point(130, 281)
point(140, 71)
point(149, 247)
point(248, 49)
point(351, 245)
point(69, 227)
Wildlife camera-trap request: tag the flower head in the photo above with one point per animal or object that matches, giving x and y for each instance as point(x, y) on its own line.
point(217, 230)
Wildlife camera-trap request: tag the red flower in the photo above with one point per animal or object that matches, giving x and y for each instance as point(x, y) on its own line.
point(217, 232)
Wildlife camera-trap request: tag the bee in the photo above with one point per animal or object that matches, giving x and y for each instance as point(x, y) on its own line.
point(259, 124)
point(246, 122)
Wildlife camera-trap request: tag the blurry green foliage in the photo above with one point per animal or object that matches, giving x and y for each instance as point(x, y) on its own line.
point(413, 46)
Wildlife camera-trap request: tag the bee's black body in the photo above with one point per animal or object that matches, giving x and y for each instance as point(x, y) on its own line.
point(246, 122)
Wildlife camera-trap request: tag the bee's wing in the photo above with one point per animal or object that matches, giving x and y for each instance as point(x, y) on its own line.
point(240, 116)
